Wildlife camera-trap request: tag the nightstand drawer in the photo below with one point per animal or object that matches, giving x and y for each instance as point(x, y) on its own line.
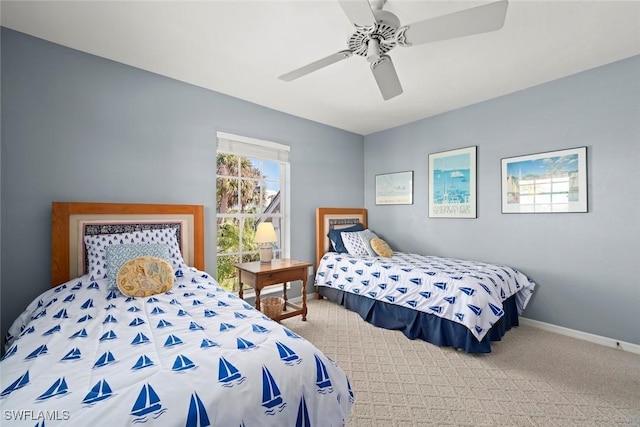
point(281, 277)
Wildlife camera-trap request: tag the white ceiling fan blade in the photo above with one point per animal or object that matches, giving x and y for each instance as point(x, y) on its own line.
point(386, 77)
point(479, 19)
point(316, 65)
point(359, 12)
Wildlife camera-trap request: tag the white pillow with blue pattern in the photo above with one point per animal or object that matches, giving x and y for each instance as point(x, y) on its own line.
point(358, 243)
point(96, 247)
point(118, 255)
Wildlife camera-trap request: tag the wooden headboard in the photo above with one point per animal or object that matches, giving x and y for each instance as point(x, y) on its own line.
point(335, 218)
point(70, 221)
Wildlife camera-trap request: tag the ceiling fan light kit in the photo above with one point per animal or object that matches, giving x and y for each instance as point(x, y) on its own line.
point(378, 31)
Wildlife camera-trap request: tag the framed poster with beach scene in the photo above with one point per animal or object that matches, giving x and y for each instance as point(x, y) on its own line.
point(394, 188)
point(550, 182)
point(452, 184)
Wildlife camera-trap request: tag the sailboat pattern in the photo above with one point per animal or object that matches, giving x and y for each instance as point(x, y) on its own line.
point(59, 387)
point(197, 415)
point(288, 356)
point(147, 405)
point(271, 394)
point(100, 391)
point(323, 382)
point(165, 359)
point(467, 292)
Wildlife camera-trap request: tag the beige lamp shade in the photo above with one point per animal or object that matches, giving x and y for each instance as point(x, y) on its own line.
point(266, 237)
point(265, 233)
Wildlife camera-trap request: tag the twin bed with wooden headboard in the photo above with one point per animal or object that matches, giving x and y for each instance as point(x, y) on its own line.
point(195, 355)
point(445, 301)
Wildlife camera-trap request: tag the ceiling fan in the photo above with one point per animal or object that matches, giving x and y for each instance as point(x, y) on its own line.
point(378, 31)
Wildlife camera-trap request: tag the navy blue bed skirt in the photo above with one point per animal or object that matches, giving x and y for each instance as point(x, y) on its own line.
point(416, 324)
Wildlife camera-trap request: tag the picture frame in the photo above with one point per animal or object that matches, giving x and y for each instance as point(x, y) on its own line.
point(548, 182)
point(394, 188)
point(452, 183)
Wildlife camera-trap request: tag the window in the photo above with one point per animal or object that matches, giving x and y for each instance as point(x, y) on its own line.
point(251, 187)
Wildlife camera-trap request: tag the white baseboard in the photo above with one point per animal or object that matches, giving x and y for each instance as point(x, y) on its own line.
point(298, 300)
point(597, 339)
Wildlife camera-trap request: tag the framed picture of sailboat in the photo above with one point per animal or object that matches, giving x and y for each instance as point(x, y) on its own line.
point(394, 188)
point(551, 182)
point(452, 183)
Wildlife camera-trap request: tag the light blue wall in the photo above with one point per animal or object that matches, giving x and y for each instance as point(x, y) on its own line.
point(80, 128)
point(587, 265)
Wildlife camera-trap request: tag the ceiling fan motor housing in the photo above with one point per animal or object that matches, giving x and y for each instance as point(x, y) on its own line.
point(384, 31)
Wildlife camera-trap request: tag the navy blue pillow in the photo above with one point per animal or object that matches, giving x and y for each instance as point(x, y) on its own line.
point(335, 239)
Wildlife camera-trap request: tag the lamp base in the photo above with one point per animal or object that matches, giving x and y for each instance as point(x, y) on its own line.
point(266, 255)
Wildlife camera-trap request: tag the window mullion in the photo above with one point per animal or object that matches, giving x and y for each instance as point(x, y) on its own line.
point(240, 210)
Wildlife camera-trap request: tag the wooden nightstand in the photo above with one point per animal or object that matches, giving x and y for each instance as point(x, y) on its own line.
point(259, 275)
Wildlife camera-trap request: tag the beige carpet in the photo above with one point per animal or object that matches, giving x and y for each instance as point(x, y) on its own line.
point(531, 378)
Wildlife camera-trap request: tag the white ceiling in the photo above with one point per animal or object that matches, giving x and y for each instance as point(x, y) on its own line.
point(239, 48)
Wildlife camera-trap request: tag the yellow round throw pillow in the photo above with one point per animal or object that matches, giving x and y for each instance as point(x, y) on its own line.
point(381, 247)
point(145, 276)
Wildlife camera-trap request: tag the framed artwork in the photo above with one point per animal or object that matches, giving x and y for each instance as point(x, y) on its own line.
point(394, 188)
point(551, 182)
point(452, 183)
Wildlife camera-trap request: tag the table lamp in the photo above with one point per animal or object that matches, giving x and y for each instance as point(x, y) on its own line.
point(265, 237)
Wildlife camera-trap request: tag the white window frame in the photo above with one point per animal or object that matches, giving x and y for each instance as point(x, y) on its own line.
point(244, 146)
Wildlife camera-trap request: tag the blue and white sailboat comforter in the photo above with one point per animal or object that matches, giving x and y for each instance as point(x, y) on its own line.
point(466, 292)
point(196, 356)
